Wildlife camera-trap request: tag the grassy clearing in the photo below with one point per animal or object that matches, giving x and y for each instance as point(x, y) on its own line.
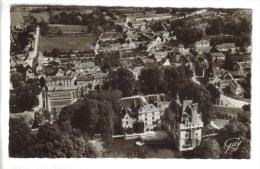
point(66, 43)
point(68, 28)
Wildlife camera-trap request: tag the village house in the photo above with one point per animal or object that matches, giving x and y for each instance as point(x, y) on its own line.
point(85, 80)
point(59, 81)
point(110, 36)
point(60, 73)
point(166, 62)
point(184, 124)
point(224, 80)
point(201, 43)
point(98, 80)
point(236, 89)
point(203, 49)
point(226, 46)
point(132, 35)
point(159, 55)
point(86, 67)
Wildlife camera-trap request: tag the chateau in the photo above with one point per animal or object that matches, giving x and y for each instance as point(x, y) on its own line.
point(183, 122)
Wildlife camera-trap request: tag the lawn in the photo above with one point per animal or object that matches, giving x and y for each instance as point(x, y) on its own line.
point(68, 28)
point(66, 43)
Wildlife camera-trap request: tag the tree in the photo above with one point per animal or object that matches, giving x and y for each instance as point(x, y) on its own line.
point(234, 129)
point(21, 69)
point(151, 80)
point(16, 79)
point(228, 63)
point(79, 19)
point(174, 79)
point(25, 98)
point(243, 151)
point(23, 39)
point(42, 82)
point(56, 52)
point(216, 26)
point(200, 95)
point(209, 148)
point(52, 142)
point(44, 28)
point(123, 80)
point(19, 136)
point(98, 112)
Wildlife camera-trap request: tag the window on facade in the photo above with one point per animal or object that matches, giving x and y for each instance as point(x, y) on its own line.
point(126, 122)
point(153, 118)
point(186, 142)
point(186, 135)
point(145, 119)
point(126, 118)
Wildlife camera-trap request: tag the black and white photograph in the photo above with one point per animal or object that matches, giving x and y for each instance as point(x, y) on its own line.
point(129, 82)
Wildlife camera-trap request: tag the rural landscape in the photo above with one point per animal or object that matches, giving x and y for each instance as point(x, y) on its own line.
point(130, 82)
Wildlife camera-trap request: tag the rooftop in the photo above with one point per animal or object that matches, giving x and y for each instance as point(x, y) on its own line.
point(56, 78)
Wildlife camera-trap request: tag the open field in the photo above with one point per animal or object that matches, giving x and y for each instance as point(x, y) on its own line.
point(66, 43)
point(41, 16)
point(68, 28)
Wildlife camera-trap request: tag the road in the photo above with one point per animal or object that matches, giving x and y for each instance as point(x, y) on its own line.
point(33, 54)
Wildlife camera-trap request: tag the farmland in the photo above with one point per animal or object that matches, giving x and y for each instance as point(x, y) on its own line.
point(68, 28)
point(65, 43)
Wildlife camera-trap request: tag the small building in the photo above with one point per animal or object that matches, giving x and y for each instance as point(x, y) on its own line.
point(110, 36)
point(86, 67)
point(59, 81)
point(98, 79)
point(201, 43)
point(226, 46)
point(85, 80)
point(236, 89)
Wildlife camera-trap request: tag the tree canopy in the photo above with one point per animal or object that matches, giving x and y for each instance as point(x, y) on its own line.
point(98, 113)
point(151, 80)
point(123, 80)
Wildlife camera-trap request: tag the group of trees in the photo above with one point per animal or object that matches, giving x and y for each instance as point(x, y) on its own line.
point(152, 79)
point(52, 141)
point(98, 113)
point(186, 31)
point(123, 80)
point(108, 60)
point(95, 22)
point(24, 38)
point(239, 29)
point(25, 94)
point(189, 35)
point(44, 28)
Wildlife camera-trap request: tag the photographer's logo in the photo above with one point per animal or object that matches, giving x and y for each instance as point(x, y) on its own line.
point(232, 144)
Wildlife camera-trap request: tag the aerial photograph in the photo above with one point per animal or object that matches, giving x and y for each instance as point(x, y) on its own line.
point(129, 82)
